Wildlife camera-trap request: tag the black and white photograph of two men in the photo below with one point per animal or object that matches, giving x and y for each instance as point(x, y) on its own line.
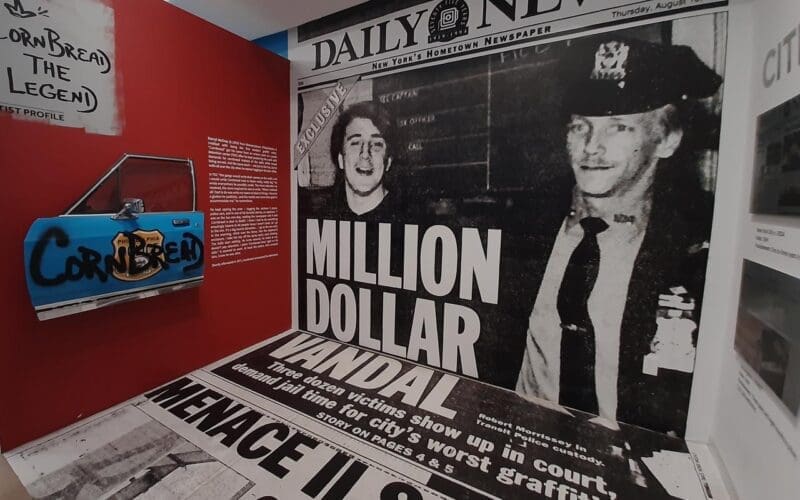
point(537, 219)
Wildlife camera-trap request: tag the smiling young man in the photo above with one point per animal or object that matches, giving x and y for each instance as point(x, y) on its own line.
point(361, 151)
point(613, 327)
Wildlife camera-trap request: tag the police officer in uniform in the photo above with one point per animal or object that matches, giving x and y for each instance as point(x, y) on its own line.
point(615, 306)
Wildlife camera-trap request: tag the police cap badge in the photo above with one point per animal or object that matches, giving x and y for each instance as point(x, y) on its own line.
point(619, 76)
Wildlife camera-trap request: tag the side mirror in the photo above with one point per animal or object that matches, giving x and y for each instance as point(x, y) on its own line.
point(131, 207)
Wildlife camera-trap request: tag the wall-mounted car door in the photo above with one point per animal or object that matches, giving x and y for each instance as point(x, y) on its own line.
point(136, 233)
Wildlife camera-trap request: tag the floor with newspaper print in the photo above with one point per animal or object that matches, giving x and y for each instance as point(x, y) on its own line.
point(301, 416)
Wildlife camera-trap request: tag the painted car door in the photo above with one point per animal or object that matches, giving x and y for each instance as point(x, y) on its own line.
point(135, 234)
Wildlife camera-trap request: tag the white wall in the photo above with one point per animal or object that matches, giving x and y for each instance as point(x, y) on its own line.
point(756, 446)
point(721, 283)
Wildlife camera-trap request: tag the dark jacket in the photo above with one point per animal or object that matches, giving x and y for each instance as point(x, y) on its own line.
point(673, 253)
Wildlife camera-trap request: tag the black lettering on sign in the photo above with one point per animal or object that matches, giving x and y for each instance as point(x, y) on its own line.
point(214, 414)
point(326, 474)
point(247, 448)
point(181, 410)
point(134, 256)
point(389, 37)
point(345, 483)
point(396, 491)
point(239, 424)
point(173, 392)
point(57, 48)
point(288, 450)
point(61, 239)
point(193, 251)
point(236, 427)
point(84, 98)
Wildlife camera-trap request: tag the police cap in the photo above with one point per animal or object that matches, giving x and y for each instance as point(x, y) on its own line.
point(619, 76)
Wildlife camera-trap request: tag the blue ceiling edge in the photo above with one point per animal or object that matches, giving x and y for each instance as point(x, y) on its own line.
point(277, 43)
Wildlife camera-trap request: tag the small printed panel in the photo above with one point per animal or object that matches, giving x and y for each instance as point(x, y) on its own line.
point(767, 329)
point(776, 172)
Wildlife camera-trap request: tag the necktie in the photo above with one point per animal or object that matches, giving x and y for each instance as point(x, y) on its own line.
point(577, 388)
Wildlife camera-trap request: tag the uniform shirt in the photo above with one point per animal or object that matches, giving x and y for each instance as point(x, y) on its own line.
point(619, 246)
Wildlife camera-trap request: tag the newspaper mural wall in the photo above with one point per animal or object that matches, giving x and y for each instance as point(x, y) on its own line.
point(516, 192)
point(307, 417)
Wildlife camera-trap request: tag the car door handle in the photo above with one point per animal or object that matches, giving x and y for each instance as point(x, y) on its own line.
point(180, 222)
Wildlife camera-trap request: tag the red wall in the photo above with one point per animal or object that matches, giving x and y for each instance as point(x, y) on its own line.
point(179, 81)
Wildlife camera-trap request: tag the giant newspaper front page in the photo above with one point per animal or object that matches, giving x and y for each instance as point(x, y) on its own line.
point(305, 417)
point(516, 192)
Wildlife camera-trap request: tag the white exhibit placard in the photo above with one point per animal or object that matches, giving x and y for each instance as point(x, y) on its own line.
point(58, 63)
